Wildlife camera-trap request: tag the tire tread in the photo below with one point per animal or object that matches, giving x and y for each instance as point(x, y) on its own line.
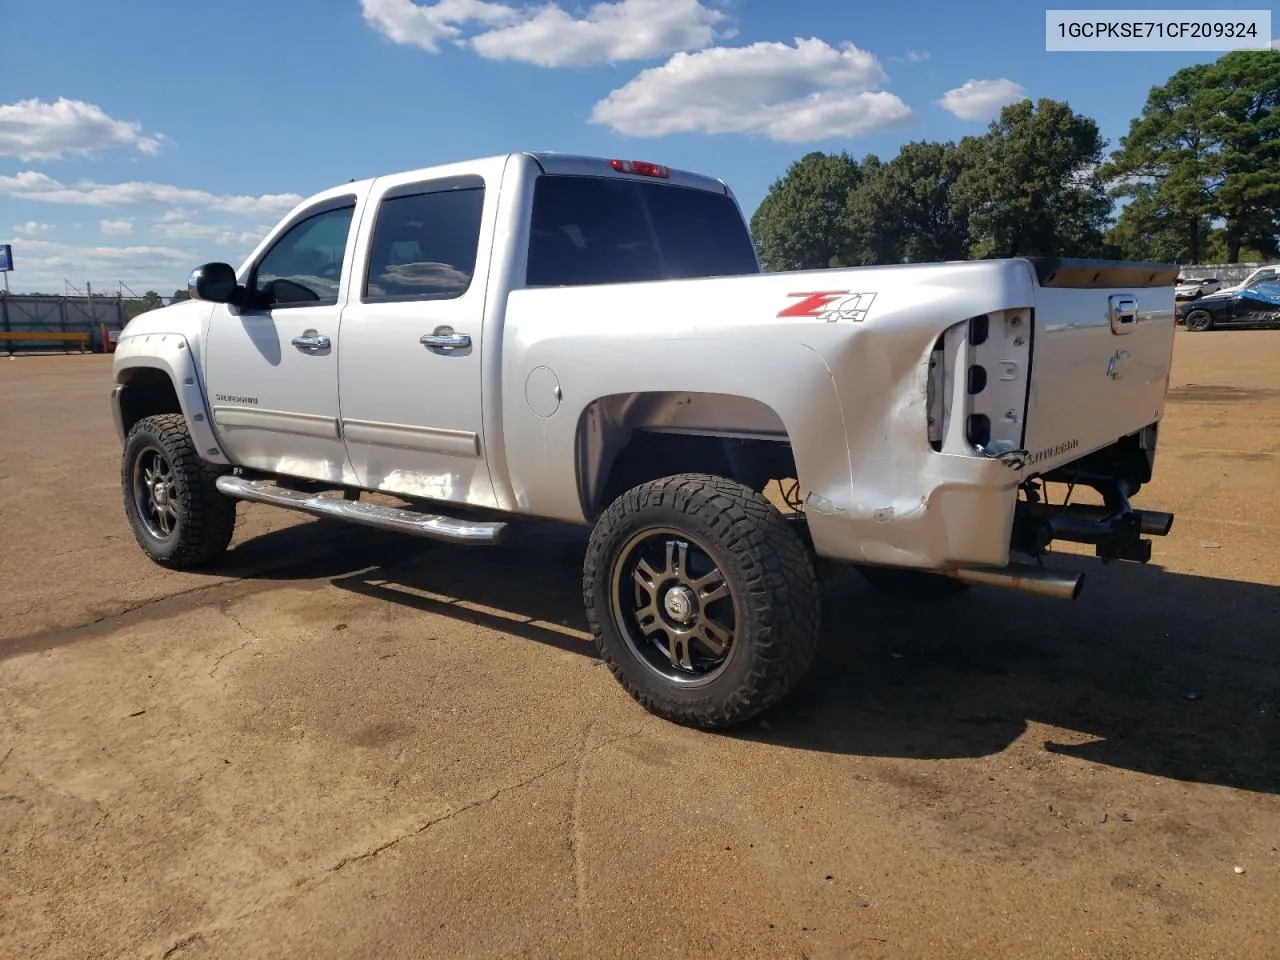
point(782, 606)
point(209, 517)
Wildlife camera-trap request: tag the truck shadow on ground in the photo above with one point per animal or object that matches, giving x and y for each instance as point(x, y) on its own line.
point(1166, 674)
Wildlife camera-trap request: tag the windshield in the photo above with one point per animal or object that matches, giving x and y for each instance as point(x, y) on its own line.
point(607, 230)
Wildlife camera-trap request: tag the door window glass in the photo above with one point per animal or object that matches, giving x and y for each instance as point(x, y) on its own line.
point(424, 246)
point(304, 266)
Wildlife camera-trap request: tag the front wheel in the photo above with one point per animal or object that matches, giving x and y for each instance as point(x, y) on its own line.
point(702, 599)
point(177, 514)
point(1199, 320)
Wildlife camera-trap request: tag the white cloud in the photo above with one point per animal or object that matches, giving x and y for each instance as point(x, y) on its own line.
point(808, 92)
point(44, 265)
point(221, 235)
point(550, 35)
point(1275, 44)
point(115, 228)
point(981, 99)
point(36, 130)
point(31, 228)
point(62, 254)
point(31, 185)
point(425, 25)
point(606, 33)
point(915, 56)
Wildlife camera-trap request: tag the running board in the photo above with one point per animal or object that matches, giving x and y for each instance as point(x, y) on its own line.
point(429, 525)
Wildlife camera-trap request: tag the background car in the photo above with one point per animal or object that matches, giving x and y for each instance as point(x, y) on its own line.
point(1255, 305)
point(1267, 272)
point(1189, 288)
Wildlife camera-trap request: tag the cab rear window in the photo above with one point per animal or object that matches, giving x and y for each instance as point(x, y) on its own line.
point(588, 230)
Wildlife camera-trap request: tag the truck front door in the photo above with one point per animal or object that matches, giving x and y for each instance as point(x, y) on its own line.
point(272, 365)
point(409, 364)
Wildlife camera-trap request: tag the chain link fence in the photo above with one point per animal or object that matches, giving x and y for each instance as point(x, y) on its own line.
point(40, 323)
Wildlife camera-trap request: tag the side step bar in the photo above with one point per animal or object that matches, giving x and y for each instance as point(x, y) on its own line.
point(1024, 577)
point(431, 526)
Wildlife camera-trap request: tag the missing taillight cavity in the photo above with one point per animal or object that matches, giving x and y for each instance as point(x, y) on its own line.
point(977, 380)
point(978, 429)
point(934, 399)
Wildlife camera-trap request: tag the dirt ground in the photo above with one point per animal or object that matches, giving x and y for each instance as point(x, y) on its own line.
point(353, 744)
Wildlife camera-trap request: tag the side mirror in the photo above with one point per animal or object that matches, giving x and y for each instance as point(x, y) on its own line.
point(215, 282)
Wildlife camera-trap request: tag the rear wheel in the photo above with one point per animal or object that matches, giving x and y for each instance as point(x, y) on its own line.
point(702, 599)
point(1199, 320)
point(177, 514)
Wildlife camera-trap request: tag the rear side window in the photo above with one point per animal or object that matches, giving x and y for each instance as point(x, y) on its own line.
point(424, 246)
point(606, 230)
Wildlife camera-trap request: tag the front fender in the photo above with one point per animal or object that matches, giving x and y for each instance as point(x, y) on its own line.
point(171, 354)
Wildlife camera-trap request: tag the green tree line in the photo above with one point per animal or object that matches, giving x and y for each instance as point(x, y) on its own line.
point(1197, 179)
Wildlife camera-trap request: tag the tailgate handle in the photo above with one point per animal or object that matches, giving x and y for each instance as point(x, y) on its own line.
point(1124, 314)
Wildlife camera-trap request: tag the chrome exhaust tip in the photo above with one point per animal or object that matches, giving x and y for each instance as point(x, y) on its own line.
point(1155, 523)
point(1024, 577)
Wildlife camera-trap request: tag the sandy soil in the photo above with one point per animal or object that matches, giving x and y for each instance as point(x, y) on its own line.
point(344, 743)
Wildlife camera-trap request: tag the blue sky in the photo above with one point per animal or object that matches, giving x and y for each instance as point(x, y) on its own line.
point(142, 138)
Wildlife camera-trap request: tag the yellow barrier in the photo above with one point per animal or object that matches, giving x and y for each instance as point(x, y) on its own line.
point(38, 336)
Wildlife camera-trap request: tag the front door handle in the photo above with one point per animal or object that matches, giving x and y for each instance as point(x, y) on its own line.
point(445, 341)
point(311, 343)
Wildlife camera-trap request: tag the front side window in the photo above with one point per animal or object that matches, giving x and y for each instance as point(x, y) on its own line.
point(424, 246)
point(304, 266)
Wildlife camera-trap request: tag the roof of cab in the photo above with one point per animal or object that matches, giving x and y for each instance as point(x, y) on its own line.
point(569, 164)
point(563, 164)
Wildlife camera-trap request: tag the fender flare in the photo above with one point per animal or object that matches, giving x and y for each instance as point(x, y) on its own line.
point(171, 354)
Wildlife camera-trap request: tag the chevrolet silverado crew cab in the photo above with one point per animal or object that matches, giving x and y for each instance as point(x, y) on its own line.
point(590, 341)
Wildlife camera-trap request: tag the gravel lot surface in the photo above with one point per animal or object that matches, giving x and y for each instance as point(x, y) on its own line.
point(344, 743)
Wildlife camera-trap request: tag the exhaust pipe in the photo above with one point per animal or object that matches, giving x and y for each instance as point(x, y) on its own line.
point(1024, 577)
point(1155, 523)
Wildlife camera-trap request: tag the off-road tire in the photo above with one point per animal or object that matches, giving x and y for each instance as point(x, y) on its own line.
point(905, 584)
point(1201, 325)
point(206, 518)
point(769, 575)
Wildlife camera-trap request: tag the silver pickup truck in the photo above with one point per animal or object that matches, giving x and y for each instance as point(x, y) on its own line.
point(592, 341)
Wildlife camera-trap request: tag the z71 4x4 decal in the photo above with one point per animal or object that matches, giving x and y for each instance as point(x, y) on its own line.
point(830, 305)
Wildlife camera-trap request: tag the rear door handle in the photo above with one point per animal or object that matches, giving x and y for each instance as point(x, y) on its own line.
point(445, 341)
point(311, 343)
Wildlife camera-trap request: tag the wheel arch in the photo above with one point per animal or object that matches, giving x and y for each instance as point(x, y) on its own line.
point(155, 374)
point(623, 440)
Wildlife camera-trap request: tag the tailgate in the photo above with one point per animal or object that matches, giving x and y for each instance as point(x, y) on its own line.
point(1101, 352)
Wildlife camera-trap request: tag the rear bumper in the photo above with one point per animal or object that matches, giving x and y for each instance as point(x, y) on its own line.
point(961, 516)
point(975, 513)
